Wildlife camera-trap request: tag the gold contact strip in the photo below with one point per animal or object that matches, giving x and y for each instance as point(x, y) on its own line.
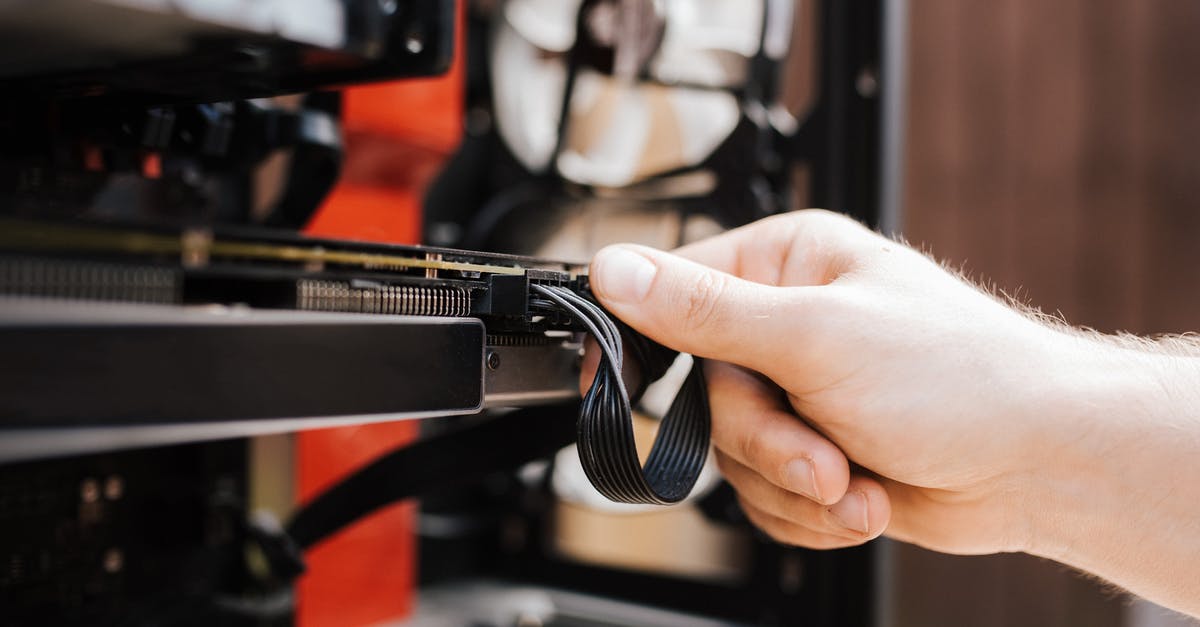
point(366, 260)
point(26, 236)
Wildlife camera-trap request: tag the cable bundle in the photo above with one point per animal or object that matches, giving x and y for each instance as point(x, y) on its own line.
point(606, 443)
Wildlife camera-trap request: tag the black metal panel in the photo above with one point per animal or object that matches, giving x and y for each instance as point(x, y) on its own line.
point(844, 129)
point(537, 372)
point(65, 50)
point(185, 372)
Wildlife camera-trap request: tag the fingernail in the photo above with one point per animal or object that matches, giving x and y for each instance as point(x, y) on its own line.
point(801, 477)
point(623, 275)
point(851, 513)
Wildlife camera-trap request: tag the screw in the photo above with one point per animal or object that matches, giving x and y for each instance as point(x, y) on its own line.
point(114, 561)
point(444, 233)
point(493, 360)
point(89, 491)
point(114, 488)
point(414, 43)
point(867, 83)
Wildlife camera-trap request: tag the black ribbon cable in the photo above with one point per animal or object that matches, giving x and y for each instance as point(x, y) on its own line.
point(603, 435)
point(605, 428)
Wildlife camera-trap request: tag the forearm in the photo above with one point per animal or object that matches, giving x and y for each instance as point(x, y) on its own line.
point(1121, 494)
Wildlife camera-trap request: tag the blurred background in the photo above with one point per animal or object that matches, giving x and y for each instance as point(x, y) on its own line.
point(1051, 149)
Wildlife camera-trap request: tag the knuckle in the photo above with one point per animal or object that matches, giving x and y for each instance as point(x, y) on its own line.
point(701, 300)
point(754, 446)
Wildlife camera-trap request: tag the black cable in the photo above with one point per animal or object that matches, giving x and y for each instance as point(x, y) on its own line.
point(438, 463)
point(605, 441)
point(603, 433)
point(427, 466)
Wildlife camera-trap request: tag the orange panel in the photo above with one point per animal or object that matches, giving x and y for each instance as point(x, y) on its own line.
point(397, 137)
point(365, 574)
point(372, 214)
point(378, 197)
point(428, 112)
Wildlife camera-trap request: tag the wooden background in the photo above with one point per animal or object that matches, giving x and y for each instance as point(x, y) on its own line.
point(1053, 147)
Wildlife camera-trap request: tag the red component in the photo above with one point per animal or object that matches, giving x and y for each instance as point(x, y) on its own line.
point(397, 137)
point(152, 165)
point(365, 574)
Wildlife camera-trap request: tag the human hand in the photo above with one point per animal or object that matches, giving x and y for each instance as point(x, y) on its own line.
point(893, 395)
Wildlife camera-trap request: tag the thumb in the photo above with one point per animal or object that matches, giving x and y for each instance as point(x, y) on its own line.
point(696, 309)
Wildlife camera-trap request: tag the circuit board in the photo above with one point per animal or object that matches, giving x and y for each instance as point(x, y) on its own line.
point(270, 269)
point(191, 334)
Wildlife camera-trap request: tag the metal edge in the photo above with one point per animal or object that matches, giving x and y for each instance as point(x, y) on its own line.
point(893, 114)
point(39, 311)
point(893, 121)
point(28, 444)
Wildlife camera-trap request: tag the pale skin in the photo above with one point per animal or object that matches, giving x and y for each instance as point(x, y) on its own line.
point(859, 389)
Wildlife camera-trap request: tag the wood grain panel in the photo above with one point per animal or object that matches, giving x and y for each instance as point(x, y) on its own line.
point(1052, 149)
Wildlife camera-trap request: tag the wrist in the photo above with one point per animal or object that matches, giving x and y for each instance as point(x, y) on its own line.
point(1098, 389)
point(1120, 461)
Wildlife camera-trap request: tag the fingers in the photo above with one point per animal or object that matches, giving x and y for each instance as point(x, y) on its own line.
point(810, 247)
point(862, 513)
point(813, 535)
point(698, 310)
point(793, 483)
point(751, 424)
point(785, 531)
